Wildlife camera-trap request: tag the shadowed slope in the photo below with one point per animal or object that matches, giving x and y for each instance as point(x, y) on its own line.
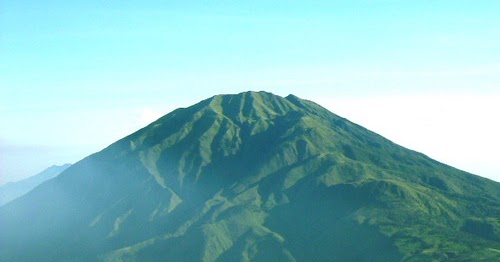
point(13, 190)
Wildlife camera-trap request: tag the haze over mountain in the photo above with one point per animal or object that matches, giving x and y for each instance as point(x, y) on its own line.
point(255, 177)
point(13, 190)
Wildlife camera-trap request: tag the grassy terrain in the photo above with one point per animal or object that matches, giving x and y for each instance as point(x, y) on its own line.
point(255, 177)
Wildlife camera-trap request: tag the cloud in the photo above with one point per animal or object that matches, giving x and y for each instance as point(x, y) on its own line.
point(148, 115)
point(19, 161)
point(459, 130)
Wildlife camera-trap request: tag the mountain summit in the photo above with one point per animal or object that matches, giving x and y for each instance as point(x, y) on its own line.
point(255, 177)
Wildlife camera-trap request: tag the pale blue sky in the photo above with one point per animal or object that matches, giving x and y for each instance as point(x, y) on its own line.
point(77, 75)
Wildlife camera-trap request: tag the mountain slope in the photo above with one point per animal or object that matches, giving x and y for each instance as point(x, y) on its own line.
point(13, 190)
point(255, 177)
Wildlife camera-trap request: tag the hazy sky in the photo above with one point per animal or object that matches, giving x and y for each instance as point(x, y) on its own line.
point(76, 76)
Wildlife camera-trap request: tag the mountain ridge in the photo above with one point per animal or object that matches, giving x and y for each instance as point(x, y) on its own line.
point(259, 177)
point(13, 190)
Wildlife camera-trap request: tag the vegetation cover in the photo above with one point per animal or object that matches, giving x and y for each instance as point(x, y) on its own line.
point(255, 177)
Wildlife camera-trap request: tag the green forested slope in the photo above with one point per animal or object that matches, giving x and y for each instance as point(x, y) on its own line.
point(255, 177)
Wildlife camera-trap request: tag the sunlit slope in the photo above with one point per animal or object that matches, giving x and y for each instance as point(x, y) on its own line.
point(255, 177)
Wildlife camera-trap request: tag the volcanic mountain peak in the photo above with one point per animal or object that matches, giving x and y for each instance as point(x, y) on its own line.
point(255, 177)
point(250, 106)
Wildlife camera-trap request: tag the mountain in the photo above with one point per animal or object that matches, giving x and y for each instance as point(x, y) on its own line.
point(13, 190)
point(255, 177)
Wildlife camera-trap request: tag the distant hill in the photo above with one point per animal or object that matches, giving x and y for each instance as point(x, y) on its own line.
point(13, 190)
point(255, 177)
